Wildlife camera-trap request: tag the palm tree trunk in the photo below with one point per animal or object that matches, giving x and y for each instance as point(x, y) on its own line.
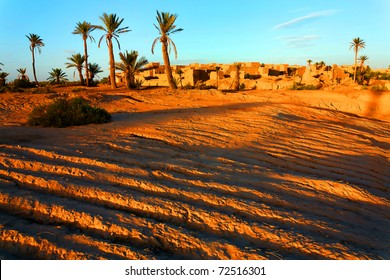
point(86, 62)
point(237, 81)
point(168, 69)
point(129, 80)
point(81, 76)
point(354, 73)
point(33, 66)
point(112, 65)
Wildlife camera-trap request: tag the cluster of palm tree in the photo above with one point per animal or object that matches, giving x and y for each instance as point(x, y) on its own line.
point(130, 63)
point(356, 44)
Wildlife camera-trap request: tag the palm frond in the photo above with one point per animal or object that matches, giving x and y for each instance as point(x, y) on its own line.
point(154, 43)
point(174, 46)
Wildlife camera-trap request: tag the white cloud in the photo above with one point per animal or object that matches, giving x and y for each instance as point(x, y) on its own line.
point(300, 41)
point(304, 18)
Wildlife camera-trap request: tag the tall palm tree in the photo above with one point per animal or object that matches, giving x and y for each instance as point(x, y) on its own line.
point(22, 74)
point(131, 65)
point(36, 42)
point(84, 29)
point(94, 70)
point(356, 44)
point(166, 27)
point(57, 76)
point(77, 60)
point(112, 28)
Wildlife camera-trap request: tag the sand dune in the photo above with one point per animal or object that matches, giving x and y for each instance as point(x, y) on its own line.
point(200, 175)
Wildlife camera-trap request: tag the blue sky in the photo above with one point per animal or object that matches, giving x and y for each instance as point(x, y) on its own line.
point(214, 31)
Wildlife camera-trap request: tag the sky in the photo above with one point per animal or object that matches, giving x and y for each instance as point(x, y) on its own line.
point(228, 31)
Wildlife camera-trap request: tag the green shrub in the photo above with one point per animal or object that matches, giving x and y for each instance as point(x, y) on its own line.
point(63, 113)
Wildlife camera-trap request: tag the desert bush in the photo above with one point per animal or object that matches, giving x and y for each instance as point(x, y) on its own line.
point(105, 81)
point(297, 86)
point(78, 89)
point(63, 113)
point(137, 84)
point(45, 89)
point(10, 88)
point(188, 86)
point(202, 86)
point(379, 88)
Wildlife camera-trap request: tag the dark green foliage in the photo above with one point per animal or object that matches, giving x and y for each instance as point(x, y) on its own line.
point(10, 88)
point(23, 83)
point(63, 113)
point(105, 81)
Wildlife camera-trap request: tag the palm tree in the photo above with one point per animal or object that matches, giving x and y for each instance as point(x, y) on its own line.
point(22, 74)
point(237, 79)
point(94, 70)
point(3, 79)
point(356, 44)
point(180, 73)
point(362, 59)
point(1, 64)
point(309, 61)
point(166, 27)
point(77, 61)
point(84, 29)
point(57, 76)
point(217, 69)
point(36, 42)
point(112, 29)
point(131, 65)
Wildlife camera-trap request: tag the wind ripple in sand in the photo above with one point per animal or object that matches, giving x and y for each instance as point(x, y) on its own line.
point(246, 180)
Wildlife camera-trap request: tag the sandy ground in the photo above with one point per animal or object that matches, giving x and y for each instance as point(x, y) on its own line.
point(199, 175)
